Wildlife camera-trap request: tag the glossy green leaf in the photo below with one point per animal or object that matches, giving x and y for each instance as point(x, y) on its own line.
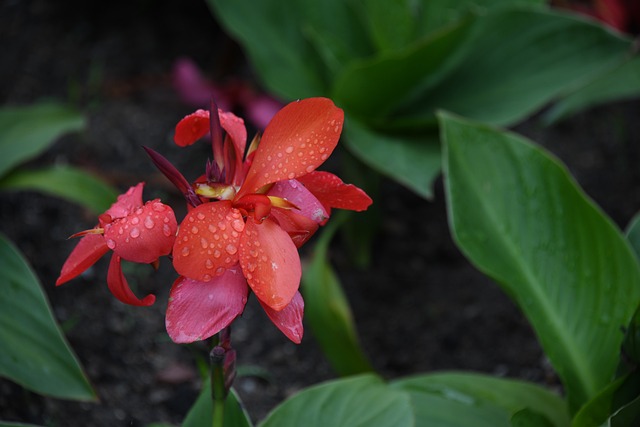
point(610, 399)
point(515, 62)
point(201, 413)
point(529, 418)
point(621, 83)
point(327, 310)
point(27, 131)
point(355, 401)
point(633, 234)
point(517, 214)
point(465, 399)
point(66, 182)
point(413, 162)
point(34, 352)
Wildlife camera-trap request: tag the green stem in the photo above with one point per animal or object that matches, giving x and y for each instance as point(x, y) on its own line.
point(218, 413)
point(218, 389)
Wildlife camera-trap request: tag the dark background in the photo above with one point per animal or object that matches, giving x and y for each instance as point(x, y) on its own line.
point(420, 307)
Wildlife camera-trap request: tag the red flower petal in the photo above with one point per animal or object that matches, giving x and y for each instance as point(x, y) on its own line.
point(300, 138)
point(236, 130)
point(144, 235)
point(289, 319)
point(300, 228)
point(88, 250)
point(208, 241)
point(333, 193)
point(270, 262)
point(120, 288)
point(296, 193)
point(126, 202)
point(191, 128)
point(198, 310)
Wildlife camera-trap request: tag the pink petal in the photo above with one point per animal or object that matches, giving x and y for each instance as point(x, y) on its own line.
point(198, 310)
point(289, 319)
point(296, 193)
point(191, 85)
point(89, 249)
point(126, 202)
point(333, 193)
point(300, 138)
point(144, 235)
point(120, 288)
point(270, 262)
point(208, 241)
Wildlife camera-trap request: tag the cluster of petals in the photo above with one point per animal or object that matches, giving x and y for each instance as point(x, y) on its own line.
point(134, 231)
point(256, 211)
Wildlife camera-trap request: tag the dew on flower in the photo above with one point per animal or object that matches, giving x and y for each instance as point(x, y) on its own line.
point(135, 220)
point(185, 251)
point(111, 243)
point(135, 232)
point(148, 222)
point(231, 249)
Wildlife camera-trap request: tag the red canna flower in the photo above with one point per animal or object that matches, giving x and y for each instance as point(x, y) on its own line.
point(249, 215)
point(134, 231)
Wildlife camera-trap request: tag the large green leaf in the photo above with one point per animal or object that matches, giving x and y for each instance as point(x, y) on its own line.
point(327, 310)
point(355, 401)
point(621, 83)
point(25, 132)
point(613, 397)
point(34, 353)
point(472, 392)
point(63, 181)
point(515, 62)
point(413, 162)
point(518, 215)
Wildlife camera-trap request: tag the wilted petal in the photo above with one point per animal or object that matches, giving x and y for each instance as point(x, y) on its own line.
point(208, 241)
point(126, 202)
point(198, 310)
point(191, 128)
point(270, 262)
point(89, 249)
point(300, 138)
point(120, 288)
point(333, 193)
point(289, 319)
point(144, 235)
point(296, 193)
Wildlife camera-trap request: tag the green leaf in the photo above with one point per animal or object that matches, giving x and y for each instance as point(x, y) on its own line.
point(327, 310)
point(515, 62)
point(623, 82)
point(517, 214)
point(25, 132)
point(529, 418)
point(34, 353)
point(614, 396)
point(355, 401)
point(627, 416)
point(67, 182)
point(201, 413)
point(633, 233)
point(410, 161)
point(465, 399)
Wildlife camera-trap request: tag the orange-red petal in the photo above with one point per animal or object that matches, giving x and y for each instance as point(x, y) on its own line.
point(300, 228)
point(299, 138)
point(145, 234)
point(198, 310)
point(289, 319)
point(191, 128)
point(208, 241)
point(120, 288)
point(126, 202)
point(88, 250)
point(270, 262)
point(333, 193)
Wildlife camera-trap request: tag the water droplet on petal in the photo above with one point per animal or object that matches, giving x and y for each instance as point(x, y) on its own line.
point(206, 277)
point(148, 222)
point(212, 228)
point(185, 251)
point(231, 249)
point(200, 216)
point(310, 168)
point(158, 207)
point(289, 150)
point(111, 243)
point(216, 254)
point(135, 232)
point(219, 271)
point(204, 243)
point(238, 225)
point(194, 230)
point(291, 176)
point(166, 230)
point(135, 220)
point(208, 264)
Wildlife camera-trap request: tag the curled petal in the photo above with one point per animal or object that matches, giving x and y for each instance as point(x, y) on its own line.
point(333, 193)
point(270, 262)
point(126, 202)
point(88, 250)
point(191, 128)
point(197, 310)
point(236, 130)
point(296, 193)
point(120, 288)
point(208, 241)
point(298, 227)
point(144, 235)
point(289, 319)
point(300, 138)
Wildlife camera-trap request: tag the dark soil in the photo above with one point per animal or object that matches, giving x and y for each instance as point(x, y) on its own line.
point(420, 307)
